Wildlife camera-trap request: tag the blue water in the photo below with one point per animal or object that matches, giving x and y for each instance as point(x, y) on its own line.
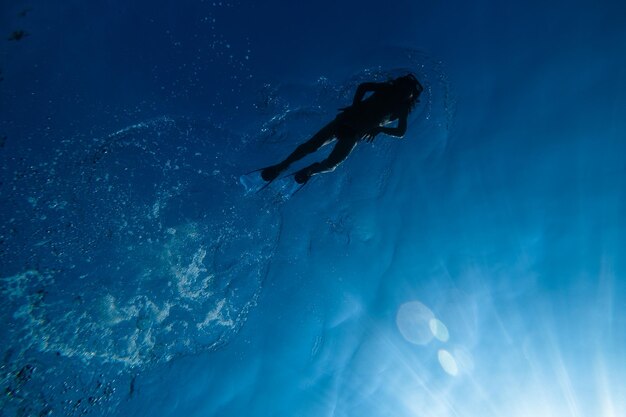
point(474, 268)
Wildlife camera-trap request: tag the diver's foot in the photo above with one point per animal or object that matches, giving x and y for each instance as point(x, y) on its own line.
point(302, 176)
point(270, 173)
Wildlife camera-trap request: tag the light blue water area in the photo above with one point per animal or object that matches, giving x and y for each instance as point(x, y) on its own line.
point(473, 268)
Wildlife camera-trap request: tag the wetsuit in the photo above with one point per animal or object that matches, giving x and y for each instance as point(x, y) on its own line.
point(351, 125)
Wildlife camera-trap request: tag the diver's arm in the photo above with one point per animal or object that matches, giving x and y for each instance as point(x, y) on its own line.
point(364, 89)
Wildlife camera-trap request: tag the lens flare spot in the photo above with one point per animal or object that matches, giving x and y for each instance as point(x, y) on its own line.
point(447, 362)
point(413, 320)
point(439, 330)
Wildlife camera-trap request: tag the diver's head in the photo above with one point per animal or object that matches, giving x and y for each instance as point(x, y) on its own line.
point(408, 89)
point(409, 86)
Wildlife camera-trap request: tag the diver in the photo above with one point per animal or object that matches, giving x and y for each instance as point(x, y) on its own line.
point(363, 120)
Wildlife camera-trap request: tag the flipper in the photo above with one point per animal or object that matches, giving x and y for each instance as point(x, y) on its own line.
point(257, 180)
point(288, 186)
point(293, 188)
point(253, 182)
point(272, 172)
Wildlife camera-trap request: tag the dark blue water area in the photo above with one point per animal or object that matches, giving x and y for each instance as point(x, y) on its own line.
point(473, 268)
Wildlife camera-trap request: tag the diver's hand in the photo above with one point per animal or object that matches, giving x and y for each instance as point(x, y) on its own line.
point(371, 135)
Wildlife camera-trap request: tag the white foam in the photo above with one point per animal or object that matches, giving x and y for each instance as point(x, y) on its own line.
point(216, 315)
point(192, 281)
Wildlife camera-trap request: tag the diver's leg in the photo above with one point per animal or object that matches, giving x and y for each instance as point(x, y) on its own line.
point(339, 153)
point(321, 138)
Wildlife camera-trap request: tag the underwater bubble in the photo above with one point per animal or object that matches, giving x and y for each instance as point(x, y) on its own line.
point(413, 320)
point(147, 250)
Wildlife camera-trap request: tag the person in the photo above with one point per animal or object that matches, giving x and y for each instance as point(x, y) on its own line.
point(363, 120)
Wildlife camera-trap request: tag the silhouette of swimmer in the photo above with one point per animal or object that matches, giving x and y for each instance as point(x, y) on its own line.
point(363, 120)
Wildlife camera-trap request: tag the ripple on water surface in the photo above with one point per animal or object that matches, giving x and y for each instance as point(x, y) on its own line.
point(144, 251)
